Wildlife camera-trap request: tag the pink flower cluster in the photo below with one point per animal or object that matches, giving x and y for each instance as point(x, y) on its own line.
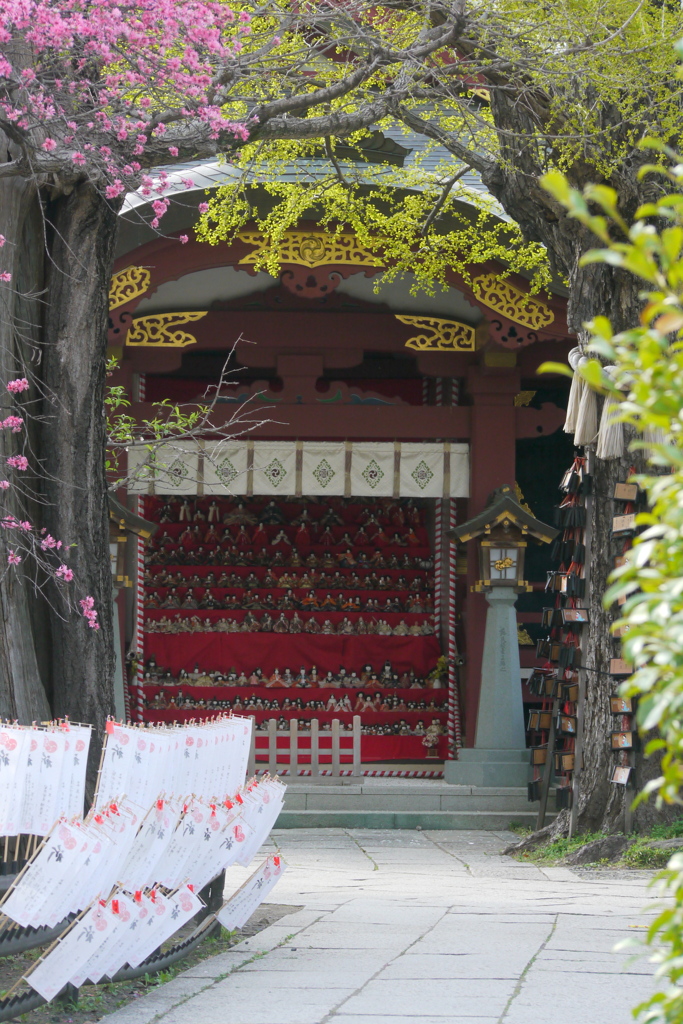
point(10, 522)
point(88, 607)
point(15, 386)
point(13, 559)
point(15, 422)
point(79, 104)
point(18, 461)
point(48, 542)
point(65, 573)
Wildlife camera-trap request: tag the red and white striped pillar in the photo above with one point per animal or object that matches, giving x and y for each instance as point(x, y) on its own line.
point(438, 556)
point(137, 703)
point(138, 707)
point(454, 729)
point(454, 724)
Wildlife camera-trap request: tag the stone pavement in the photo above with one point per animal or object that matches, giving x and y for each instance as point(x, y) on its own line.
point(408, 927)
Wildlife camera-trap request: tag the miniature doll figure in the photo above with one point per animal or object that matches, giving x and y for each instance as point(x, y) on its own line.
point(281, 625)
point(239, 515)
point(271, 515)
point(430, 740)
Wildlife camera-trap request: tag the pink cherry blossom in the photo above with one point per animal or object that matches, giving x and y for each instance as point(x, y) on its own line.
point(15, 423)
point(5, 276)
point(64, 573)
point(15, 386)
point(13, 559)
point(88, 608)
point(18, 462)
point(203, 207)
point(4, 484)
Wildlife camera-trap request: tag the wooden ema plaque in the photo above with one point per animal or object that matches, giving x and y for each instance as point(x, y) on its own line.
point(626, 492)
point(619, 667)
point(624, 524)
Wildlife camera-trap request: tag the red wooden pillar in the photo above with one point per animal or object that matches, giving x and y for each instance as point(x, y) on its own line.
point(492, 463)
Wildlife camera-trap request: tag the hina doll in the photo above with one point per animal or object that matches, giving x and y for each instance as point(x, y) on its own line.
point(190, 599)
point(242, 541)
point(239, 516)
point(260, 536)
point(271, 515)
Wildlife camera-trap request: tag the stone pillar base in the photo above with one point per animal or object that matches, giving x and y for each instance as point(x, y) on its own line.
point(490, 768)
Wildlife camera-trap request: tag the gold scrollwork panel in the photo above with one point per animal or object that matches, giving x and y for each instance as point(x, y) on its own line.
point(128, 284)
point(312, 249)
point(512, 302)
point(161, 330)
point(439, 335)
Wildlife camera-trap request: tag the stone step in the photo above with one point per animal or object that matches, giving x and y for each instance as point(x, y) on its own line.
point(410, 798)
point(494, 821)
point(404, 803)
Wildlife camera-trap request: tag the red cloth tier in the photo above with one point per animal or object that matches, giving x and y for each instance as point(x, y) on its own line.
point(368, 718)
point(260, 571)
point(305, 693)
point(372, 748)
point(223, 652)
point(220, 593)
point(238, 614)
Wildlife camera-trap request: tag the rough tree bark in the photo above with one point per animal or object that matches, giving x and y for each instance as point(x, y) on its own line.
point(81, 248)
point(596, 289)
point(22, 690)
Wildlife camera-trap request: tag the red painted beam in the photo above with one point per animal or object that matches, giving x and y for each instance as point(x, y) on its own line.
point(399, 422)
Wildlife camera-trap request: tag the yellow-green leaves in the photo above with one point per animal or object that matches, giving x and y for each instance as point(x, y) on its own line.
point(649, 366)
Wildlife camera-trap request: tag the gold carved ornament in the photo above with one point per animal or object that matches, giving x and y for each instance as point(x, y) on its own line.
point(523, 638)
point(312, 249)
point(503, 563)
point(158, 330)
point(439, 335)
point(128, 284)
point(512, 302)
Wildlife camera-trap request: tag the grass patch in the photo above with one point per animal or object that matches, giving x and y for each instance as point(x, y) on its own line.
point(553, 853)
point(638, 855)
point(520, 829)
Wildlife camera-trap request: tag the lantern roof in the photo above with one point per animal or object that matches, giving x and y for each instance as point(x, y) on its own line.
point(503, 508)
point(130, 521)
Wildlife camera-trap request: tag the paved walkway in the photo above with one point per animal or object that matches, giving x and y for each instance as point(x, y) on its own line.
point(403, 927)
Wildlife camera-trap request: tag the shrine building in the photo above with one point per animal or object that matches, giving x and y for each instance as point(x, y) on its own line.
point(300, 567)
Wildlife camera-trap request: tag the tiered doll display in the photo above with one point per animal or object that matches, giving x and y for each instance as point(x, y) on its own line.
point(255, 604)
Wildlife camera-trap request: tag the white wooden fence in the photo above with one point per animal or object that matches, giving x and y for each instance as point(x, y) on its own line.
point(325, 755)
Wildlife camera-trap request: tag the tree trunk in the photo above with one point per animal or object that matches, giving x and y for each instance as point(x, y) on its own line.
point(22, 690)
point(594, 290)
point(83, 234)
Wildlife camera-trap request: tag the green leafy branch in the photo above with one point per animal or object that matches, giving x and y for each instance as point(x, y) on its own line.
point(648, 385)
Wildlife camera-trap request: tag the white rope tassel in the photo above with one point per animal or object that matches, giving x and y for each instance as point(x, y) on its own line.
point(653, 436)
point(575, 392)
point(587, 416)
point(611, 433)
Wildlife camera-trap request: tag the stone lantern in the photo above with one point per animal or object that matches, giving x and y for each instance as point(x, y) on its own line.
point(503, 529)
